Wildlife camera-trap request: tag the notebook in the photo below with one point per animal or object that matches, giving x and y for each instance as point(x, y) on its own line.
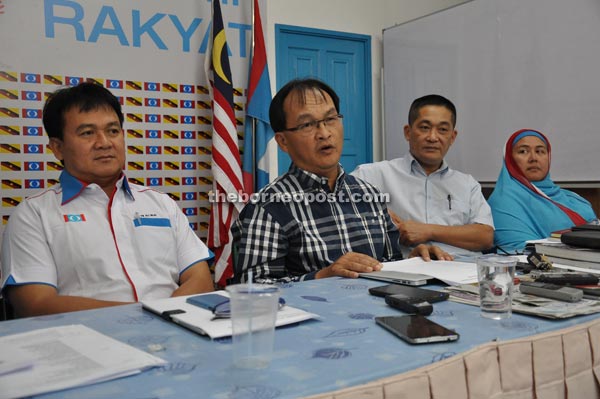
point(202, 321)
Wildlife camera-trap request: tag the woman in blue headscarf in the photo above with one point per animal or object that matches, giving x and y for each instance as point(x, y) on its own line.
point(526, 204)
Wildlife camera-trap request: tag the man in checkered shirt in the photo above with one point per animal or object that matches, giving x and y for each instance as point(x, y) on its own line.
point(315, 221)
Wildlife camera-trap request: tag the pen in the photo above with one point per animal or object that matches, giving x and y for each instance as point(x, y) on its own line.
point(449, 202)
point(137, 220)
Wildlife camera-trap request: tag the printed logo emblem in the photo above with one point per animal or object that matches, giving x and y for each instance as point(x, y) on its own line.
point(73, 81)
point(34, 183)
point(74, 218)
point(188, 134)
point(33, 149)
point(151, 86)
point(32, 130)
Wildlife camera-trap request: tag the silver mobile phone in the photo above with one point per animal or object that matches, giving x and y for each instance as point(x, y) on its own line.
point(416, 329)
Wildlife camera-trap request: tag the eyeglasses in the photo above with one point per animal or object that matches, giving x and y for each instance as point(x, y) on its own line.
point(310, 127)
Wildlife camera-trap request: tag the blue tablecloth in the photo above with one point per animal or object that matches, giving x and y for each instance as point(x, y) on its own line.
point(344, 348)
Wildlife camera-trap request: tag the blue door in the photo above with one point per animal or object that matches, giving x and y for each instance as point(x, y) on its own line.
point(343, 61)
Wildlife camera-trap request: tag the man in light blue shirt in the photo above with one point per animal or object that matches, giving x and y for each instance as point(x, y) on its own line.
point(430, 202)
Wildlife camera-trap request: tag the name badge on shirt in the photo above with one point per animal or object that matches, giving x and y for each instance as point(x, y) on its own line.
point(156, 222)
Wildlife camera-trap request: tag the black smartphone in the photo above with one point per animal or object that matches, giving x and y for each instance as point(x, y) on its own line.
point(410, 305)
point(409, 293)
point(416, 329)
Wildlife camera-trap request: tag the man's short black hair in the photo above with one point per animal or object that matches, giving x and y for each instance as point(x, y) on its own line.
point(85, 96)
point(300, 86)
point(430, 99)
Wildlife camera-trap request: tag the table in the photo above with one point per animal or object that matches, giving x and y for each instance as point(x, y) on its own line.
point(344, 348)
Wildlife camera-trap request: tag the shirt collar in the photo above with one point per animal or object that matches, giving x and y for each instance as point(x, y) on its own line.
point(309, 180)
point(415, 166)
point(72, 187)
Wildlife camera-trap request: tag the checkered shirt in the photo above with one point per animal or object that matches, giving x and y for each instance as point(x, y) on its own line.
point(296, 226)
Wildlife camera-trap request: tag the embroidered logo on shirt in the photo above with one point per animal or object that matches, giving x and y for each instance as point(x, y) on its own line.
point(74, 218)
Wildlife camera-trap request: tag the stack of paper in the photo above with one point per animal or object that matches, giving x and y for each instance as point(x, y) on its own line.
point(529, 304)
point(58, 358)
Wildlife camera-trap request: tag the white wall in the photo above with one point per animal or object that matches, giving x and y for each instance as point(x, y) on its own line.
point(367, 17)
point(506, 65)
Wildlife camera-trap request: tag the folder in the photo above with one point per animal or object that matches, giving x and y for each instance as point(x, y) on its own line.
point(202, 321)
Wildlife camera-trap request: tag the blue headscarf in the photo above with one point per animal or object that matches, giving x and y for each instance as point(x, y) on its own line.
point(525, 210)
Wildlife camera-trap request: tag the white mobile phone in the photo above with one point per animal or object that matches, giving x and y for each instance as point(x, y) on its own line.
point(416, 329)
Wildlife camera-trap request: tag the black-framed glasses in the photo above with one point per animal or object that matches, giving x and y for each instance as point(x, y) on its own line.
point(310, 127)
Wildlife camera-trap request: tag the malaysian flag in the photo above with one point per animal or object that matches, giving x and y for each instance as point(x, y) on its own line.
point(226, 164)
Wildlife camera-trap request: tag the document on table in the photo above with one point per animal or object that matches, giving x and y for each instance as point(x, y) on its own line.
point(65, 357)
point(201, 321)
point(450, 272)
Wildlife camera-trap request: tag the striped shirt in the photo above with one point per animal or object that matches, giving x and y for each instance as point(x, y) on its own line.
point(296, 226)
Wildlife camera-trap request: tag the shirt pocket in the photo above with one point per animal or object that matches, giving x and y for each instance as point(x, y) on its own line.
point(155, 239)
point(451, 210)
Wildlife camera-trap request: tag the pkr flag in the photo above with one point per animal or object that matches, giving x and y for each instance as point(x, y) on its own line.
point(260, 148)
point(226, 163)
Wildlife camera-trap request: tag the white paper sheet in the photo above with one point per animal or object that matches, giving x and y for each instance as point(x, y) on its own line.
point(69, 356)
point(450, 272)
